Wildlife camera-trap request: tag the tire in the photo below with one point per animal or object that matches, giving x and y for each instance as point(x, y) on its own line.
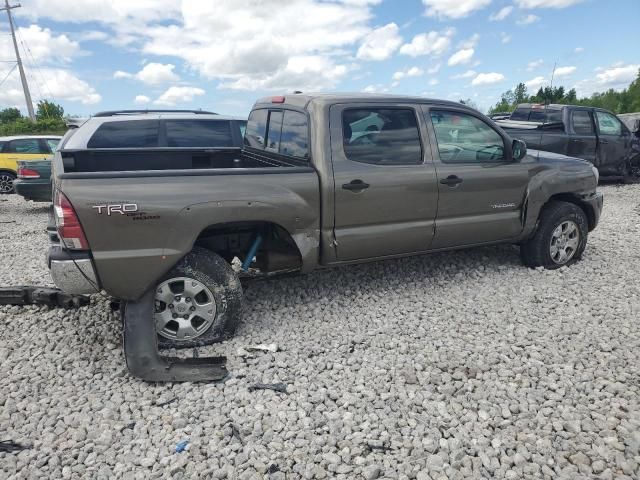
point(553, 245)
point(6, 183)
point(211, 315)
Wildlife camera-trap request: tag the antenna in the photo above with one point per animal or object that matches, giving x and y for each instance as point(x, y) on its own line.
point(23, 78)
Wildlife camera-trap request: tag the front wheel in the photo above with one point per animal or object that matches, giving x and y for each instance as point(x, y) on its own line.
point(560, 239)
point(6, 182)
point(198, 302)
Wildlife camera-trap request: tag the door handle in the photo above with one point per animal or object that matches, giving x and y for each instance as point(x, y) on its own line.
point(451, 181)
point(577, 140)
point(604, 142)
point(355, 185)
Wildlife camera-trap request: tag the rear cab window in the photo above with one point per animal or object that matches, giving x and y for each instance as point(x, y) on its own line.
point(278, 131)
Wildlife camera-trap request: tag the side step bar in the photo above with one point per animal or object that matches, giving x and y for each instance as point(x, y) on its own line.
point(145, 362)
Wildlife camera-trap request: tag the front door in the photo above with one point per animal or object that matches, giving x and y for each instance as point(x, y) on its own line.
point(613, 143)
point(386, 193)
point(582, 136)
point(482, 189)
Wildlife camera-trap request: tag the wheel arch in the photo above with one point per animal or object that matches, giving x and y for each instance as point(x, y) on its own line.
point(276, 248)
point(577, 201)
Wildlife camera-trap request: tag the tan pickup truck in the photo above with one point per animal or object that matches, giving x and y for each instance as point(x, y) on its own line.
point(170, 225)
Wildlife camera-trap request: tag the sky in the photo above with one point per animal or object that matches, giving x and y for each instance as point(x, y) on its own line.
point(222, 55)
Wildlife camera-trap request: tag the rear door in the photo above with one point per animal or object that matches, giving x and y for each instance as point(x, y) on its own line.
point(614, 141)
point(482, 189)
point(582, 135)
point(385, 193)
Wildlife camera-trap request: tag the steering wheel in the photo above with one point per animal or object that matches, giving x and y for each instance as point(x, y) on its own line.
point(494, 153)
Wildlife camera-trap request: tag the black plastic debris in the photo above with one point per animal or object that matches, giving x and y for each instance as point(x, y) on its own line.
point(8, 446)
point(276, 387)
point(35, 295)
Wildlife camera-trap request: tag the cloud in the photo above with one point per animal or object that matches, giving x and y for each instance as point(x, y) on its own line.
point(487, 79)
point(411, 72)
point(467, 74)
point(141, 100)
point(579, 50)
point(461, 57)
point(379, 88)
point(617, 76)
point(528, 19)
point(504, 37)
point(175, 95)
point(380, 43)
point(157, 73)
point(435, 69)
point(44, 47)
point(501, 14)
point(431, 43)
point(534, 64)
point(251, 49)
point(564, 71)
point(51, 83)
point(546, 3)
point(535, 83)
point(453, 8)
point(470, 42)
point(433, 81)
point(151, 74)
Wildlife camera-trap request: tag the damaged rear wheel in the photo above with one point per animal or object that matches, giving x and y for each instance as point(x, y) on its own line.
point(198, 302)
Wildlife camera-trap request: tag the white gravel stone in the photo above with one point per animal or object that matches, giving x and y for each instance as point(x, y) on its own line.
point(454, 365)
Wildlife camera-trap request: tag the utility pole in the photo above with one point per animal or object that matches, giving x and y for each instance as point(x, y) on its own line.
point(23, 78)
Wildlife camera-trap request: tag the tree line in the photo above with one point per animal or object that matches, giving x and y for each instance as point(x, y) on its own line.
point(49, 120)
point(624, 101)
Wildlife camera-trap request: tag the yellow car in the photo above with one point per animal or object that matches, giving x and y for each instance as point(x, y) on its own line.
point(23, 147)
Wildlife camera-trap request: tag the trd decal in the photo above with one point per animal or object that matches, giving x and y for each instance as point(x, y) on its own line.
point(122, 208)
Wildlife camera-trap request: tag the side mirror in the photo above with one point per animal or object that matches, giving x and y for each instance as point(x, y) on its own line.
point(519, 149)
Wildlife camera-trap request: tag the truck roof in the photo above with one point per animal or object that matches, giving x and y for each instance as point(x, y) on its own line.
point(301, 100)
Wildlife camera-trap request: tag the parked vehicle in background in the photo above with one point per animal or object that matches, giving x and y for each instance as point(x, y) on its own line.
point(34, 180)
point(500, 116)
point(322, 180)
point(24, 147)
point(593, 134)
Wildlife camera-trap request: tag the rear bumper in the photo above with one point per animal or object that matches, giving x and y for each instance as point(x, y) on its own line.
point(72, 272)
point(594, 203)
point(38, 191)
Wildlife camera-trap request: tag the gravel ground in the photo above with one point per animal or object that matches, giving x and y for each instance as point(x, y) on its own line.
point(457, 365)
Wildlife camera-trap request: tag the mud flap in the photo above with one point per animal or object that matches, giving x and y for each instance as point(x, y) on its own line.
point(145, 362)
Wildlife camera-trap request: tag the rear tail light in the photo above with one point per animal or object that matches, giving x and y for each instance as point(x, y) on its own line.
point(278, 99)
point(68, 224)
point(27, 173)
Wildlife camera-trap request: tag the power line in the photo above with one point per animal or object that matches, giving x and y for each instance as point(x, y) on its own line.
point(9, 73)
point(23, 78)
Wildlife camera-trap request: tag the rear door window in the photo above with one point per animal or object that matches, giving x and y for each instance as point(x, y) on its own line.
point(381, 136)
point(199, 133)
point(126, 134)
point(26, 145)
point(582, 123)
